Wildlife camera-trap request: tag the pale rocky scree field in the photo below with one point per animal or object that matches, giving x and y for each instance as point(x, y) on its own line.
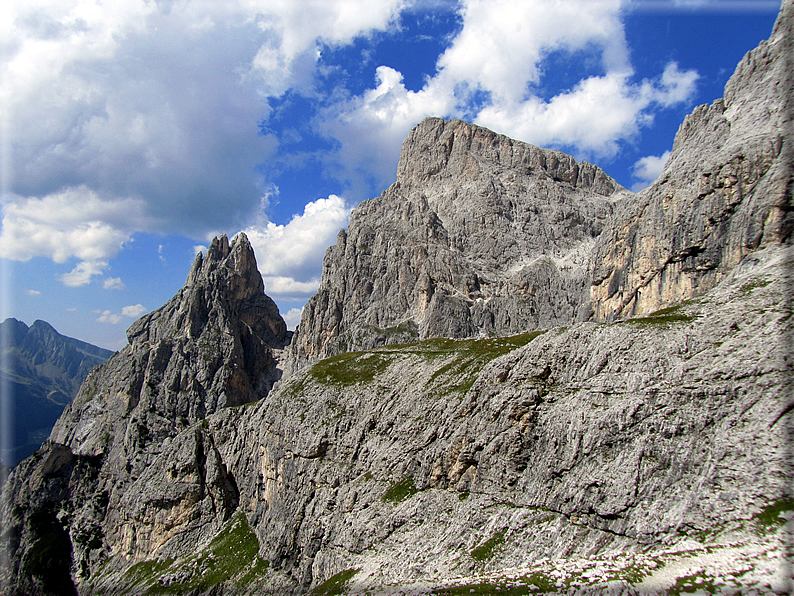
point(517, 377)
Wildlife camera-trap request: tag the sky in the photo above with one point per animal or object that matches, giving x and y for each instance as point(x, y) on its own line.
point(134, 131)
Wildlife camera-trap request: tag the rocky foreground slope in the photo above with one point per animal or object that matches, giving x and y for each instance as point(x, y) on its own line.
point(613, 455)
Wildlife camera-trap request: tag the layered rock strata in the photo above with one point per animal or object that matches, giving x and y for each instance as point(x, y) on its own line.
point(725, 192)
point(653, 440)
point(482, 235)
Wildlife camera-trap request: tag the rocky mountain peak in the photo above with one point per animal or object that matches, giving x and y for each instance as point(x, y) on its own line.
point(211, 346)
point(454, 148)
point(224, 289)
point(480, 235)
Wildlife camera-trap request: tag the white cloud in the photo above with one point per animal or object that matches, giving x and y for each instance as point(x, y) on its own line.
point(292, 318)
point(293, 29)
point(290, 256)
point(133, 311)
point(371, 127)
point(113, 283)
point(106, 316)
point(491, 74)
point(34, 293)
point(75, 222)
point(82, 273)
point(648, 169)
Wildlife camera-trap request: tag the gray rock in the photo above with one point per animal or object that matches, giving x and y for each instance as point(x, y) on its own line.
point(724, 193)
point(481, 235)
point(641, 456)
point(210, 347)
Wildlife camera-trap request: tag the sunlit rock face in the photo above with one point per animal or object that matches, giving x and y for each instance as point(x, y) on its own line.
point(557, 450)
point(480, 235)
point(726, 191)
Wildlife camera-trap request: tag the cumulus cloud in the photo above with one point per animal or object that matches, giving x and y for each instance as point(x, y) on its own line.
point(107, 316)
point(73, 223)
point(292, 318)
point(492, 73)
point(34, 293)
point(134, 311)
point(371, 127)
point(113, 283)
point(290, 256)
point(648, 169)
point(82, 273)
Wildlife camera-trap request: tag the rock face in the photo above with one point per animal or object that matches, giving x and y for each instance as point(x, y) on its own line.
point(481, 235)
point(211, 346)
point(44, 371)
point(650, 455)
point(725, 192)
point(634, 453)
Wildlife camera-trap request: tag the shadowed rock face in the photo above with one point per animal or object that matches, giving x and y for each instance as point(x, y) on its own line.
point(210, 347)
point(480, 235)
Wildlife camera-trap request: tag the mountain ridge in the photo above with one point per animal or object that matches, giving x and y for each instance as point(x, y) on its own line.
point(44, 371)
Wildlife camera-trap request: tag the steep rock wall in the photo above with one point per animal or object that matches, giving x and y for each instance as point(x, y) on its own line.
point(481, 235)
point(725, 192)
point(210, 347)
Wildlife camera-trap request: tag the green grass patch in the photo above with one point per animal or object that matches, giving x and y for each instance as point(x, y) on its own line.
point(487, 550)
point(664, 316)
point(754, 284)
point(471, 355)
point(350, 368)
point(232, 556)
point(535, 583)
point(400, 491)
point(336, 584)
point(487, 589)
point(769, 518)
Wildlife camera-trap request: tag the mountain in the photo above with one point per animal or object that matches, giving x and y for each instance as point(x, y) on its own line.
point(631, 434)
point(480, 235)
point(43, 371)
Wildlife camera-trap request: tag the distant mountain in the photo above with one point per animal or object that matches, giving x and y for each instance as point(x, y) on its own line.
point(43, 371)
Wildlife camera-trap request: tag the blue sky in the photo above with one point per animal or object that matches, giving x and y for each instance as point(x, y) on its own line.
point(134, 131)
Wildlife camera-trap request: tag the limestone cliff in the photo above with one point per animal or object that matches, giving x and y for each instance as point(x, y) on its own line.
point(211, 346)
point(650, 455)
point(725, 192)
point(480, 235)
